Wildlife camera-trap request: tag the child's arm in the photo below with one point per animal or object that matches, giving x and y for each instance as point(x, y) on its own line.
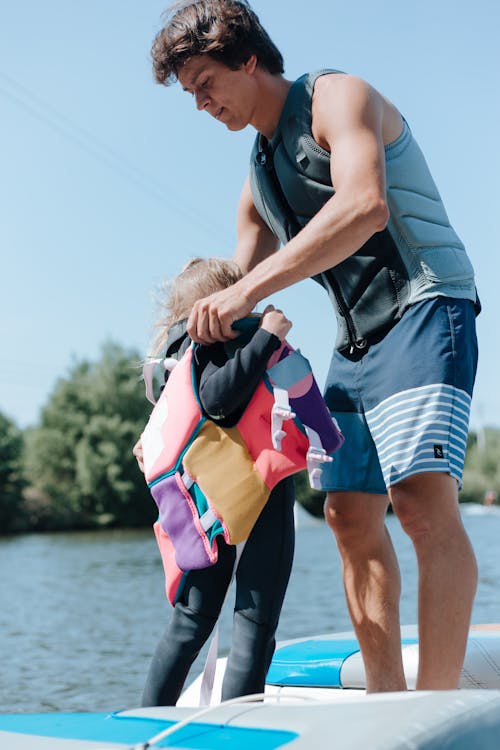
point(227, 385)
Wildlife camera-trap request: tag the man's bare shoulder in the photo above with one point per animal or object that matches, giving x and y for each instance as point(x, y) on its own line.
point(338, 88)
point(342, 98)
point(339, 82)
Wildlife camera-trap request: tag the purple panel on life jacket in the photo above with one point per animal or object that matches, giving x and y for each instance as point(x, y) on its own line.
point(301, 387)
point(313, 412)
point(179, 518)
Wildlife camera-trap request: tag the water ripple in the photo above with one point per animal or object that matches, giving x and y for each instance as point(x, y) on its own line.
point(81, 613)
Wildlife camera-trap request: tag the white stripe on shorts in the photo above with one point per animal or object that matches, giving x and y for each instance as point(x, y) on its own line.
point(421, 429)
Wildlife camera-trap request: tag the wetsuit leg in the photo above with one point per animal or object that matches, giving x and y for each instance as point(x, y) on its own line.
point(261, 582)
point(193, 619)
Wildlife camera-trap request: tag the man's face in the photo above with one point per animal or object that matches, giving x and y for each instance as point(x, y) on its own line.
point(225, 94)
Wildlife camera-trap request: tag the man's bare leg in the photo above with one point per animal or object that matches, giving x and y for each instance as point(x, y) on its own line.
point(427, 506)
point(372, 583)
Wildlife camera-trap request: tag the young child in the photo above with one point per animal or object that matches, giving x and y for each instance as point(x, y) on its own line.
point(225, 388)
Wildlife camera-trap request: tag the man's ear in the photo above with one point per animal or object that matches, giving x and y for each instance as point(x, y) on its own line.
point(250, 64)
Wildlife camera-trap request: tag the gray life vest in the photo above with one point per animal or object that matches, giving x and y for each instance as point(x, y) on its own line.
point(417, 256)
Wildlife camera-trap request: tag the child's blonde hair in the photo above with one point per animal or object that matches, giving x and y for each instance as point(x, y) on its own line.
point(199, 278)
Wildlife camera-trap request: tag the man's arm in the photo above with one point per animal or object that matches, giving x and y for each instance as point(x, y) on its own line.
point(348, 120)
point(255, 240)
point(255, 243)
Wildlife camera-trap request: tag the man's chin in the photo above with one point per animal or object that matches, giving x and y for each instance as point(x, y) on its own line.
point(235, 126)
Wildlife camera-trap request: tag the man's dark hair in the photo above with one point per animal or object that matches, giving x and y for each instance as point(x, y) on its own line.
point(227, 30)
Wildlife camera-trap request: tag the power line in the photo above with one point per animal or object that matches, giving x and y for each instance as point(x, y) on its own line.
point(99, 150)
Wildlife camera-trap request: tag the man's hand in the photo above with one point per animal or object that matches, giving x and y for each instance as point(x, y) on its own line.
point(212, 317)
point(137, 451)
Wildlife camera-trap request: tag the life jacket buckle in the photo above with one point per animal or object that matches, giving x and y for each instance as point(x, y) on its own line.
point(280, 412)
point(315, 457)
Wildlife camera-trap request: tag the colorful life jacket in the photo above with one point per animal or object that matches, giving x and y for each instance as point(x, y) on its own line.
point(209, 480)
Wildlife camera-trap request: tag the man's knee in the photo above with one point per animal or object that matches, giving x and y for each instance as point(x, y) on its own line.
point(354, 516)
point(426, 505)
point(337, 515)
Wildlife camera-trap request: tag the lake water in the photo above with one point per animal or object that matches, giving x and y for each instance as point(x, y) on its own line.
point(80, 614)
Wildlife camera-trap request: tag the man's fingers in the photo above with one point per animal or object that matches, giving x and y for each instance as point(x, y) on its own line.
point(211, 319)
point(215, 324)
point(198, 327)
point(226, 326)
point(206, 324)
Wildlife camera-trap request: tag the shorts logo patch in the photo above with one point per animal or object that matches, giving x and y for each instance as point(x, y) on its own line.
point(438, 451)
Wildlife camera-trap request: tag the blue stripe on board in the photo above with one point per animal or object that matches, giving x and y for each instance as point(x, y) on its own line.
point(315, 662)
point(311, 663)
point(129, 730)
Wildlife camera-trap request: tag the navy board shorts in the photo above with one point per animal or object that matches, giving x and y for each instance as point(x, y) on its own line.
point(403, 405)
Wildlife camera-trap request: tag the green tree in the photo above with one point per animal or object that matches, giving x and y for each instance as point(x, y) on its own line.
point(312, 500)
point(11, 479)
point(482, 465)
point(80, 456)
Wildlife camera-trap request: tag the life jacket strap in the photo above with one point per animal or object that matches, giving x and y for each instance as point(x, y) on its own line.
point(187, 480)
point(208, 678)
point(208, 519)
point(148, 370)
point(316, 455)
point(280, 412)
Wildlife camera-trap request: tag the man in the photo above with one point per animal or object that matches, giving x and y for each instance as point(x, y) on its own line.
point(337, 178)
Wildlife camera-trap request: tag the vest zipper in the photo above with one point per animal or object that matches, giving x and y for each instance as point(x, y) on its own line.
point(264, 159)
point(354, 341)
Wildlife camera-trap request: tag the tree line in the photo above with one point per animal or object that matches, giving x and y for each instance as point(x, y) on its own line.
point(75, 468)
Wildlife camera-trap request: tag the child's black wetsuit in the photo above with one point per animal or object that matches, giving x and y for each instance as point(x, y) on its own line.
point(226, 386)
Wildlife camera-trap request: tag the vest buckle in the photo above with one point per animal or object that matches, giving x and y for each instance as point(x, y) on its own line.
point(279, 413)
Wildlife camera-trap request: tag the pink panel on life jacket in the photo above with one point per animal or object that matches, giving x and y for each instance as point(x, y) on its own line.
point(255, 429)
point(172, 421)
point(173, 574)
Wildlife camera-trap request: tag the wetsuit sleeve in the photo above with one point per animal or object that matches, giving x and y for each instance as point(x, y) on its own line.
point(227, 385)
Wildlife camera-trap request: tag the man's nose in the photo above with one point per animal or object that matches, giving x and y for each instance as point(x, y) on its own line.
point(201, 99)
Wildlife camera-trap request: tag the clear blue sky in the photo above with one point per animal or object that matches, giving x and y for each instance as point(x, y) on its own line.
point(109, 183)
